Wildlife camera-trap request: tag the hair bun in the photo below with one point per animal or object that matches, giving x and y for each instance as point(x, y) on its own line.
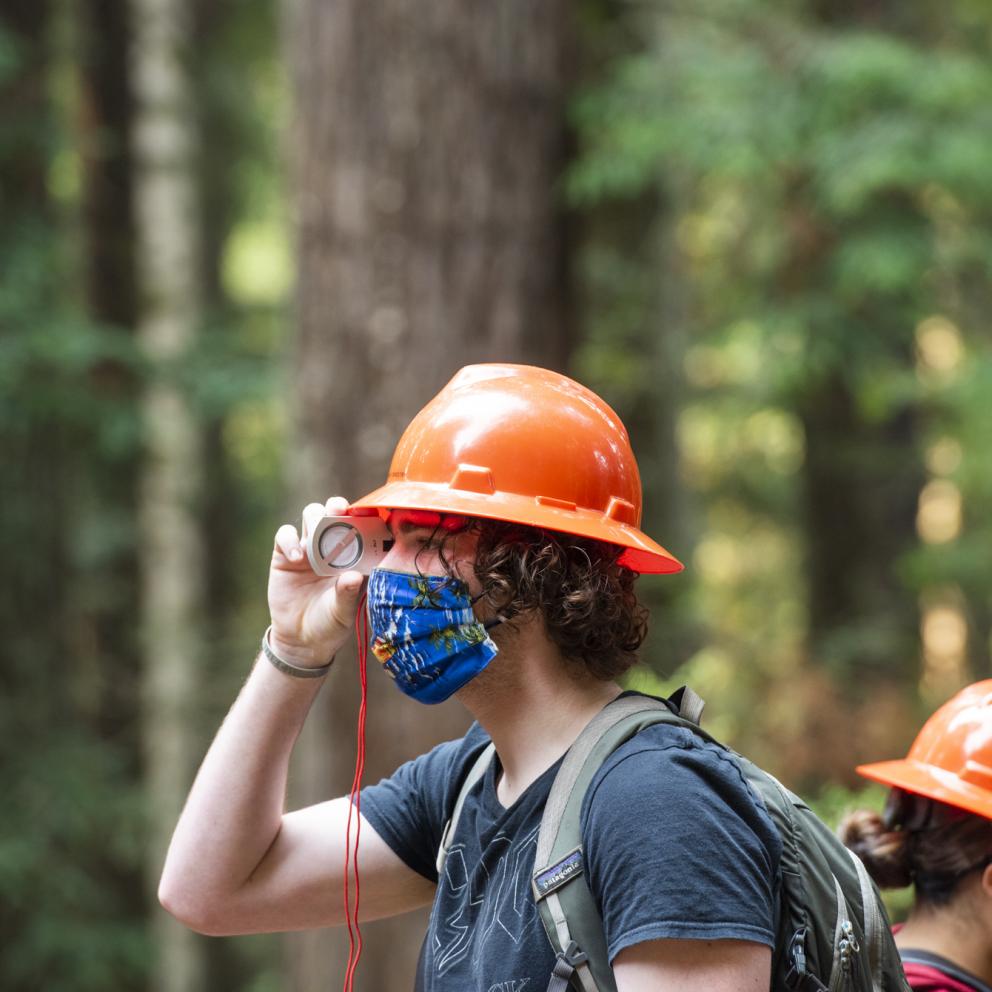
point(885, 852)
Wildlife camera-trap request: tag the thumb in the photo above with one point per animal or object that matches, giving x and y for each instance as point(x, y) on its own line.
point(347, 592)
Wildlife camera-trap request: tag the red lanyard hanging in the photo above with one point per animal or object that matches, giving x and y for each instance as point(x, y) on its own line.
point(355, 803)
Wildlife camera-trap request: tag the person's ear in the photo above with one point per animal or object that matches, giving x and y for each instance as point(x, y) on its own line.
point(987, 881)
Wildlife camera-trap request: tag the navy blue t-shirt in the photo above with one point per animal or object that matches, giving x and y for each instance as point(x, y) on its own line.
point(675, 843)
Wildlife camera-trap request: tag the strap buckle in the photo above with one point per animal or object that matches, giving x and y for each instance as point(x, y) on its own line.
point(566, 963)
point(569, 959)
point(798, 979)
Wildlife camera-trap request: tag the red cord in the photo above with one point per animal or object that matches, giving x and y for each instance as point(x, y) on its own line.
point(355, 801)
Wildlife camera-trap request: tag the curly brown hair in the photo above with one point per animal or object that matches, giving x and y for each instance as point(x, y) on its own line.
point(584, 596)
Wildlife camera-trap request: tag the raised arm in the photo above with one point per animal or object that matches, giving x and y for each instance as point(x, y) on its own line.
point(239, 864)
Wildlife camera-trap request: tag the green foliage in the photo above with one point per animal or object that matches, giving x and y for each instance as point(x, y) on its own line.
point(71, 828)
point(73, 821)
point(823, 188)
point(75, 885)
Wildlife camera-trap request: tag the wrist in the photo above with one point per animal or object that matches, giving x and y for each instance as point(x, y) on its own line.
point(294, 659)
point(298, 653)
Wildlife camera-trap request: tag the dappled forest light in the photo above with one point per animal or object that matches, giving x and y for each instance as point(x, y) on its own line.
point(761, 230)
point(822, 183)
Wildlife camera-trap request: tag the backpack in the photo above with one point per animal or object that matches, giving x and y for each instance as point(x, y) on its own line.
point(833, 932)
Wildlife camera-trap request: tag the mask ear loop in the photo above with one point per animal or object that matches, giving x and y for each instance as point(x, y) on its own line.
point(355, 803)
point(489, 624)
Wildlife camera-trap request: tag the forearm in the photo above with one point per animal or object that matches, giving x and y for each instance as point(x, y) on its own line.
point(234, 810)
point(234, 814)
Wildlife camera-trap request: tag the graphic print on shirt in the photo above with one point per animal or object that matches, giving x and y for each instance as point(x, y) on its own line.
point(492, 901)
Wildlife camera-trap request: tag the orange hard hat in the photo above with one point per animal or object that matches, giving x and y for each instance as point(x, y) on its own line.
point(529, 446)
point(951, 758)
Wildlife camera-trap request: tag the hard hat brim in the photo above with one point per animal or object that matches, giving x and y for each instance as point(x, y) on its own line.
point(641, 554)
point(930, 781)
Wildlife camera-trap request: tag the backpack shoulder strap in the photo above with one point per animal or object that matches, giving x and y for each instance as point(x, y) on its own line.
point(874, 925)
point(688, 705)
point(476, 772)
point(564, 900)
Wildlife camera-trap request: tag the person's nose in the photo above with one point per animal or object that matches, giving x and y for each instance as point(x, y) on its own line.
point(400, 558)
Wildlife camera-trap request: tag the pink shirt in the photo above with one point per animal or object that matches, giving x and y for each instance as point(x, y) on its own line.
point(927, 972)
point(930, 978)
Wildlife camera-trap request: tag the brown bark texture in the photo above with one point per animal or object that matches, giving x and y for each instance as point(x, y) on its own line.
point(165, 155)
point(426, 147)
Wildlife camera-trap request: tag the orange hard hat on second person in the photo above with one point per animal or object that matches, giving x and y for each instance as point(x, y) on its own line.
point(523, 445)
point(951, 759)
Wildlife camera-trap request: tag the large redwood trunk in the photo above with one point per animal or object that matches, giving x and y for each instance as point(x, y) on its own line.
point(426, 147)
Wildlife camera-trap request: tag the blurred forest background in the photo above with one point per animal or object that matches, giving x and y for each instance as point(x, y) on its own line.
point(242, 242)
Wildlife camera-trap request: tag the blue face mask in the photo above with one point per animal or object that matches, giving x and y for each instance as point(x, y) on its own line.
point(425, 633)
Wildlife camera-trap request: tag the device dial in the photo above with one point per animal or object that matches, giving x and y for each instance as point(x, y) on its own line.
point(341, 546)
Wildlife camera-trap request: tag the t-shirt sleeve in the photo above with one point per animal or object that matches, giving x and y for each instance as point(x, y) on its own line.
point(677, 845)
point(409, 809)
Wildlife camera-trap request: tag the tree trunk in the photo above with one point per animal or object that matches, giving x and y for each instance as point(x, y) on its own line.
point(105, 118)
point(861, 480)
point(427, 141)
point(167, 220)
point(34, 573)
point(105, 633)
point(104, 678)
point(862, 473)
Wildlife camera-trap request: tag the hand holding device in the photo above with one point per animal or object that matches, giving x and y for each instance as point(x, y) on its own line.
point(313, 611)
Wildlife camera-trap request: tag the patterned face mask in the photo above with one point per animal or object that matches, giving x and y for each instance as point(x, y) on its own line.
point(425, 633)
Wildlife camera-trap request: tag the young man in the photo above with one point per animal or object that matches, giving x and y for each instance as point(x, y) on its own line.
point(514, 501)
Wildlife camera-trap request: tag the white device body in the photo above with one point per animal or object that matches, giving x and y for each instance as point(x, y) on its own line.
point(347, 544)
